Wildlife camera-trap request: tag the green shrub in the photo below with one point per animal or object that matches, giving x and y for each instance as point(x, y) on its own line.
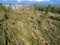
point(47, 10)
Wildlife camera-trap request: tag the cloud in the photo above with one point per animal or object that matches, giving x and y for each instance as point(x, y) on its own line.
point(18, 0)
point(33, 0)
point(39, 0)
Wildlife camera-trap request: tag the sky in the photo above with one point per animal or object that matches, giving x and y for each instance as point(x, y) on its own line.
point(33, 0)
point(29, 0)
point(17, 1)
point(23, 0)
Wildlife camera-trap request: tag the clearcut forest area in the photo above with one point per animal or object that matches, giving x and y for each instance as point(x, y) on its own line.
point(29, 25)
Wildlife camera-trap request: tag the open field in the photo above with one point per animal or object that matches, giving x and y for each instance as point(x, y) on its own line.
point(26, 26)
